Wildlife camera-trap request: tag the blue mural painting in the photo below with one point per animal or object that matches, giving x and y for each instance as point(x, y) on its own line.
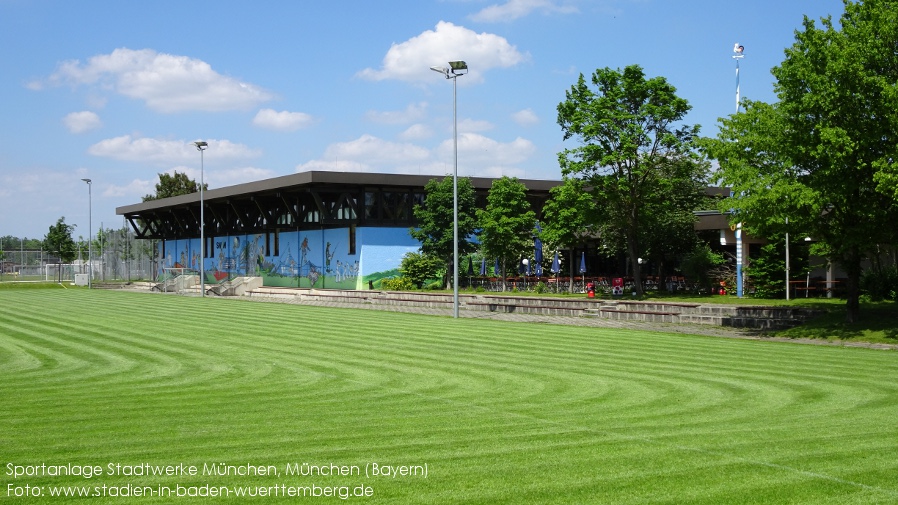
point(335, 258)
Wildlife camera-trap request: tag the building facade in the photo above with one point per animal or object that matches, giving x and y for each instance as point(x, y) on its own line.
point(310, 229)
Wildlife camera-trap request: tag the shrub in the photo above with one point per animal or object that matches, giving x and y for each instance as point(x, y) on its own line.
point(698, 266)
point(880, 283)
point(397, 284)
point(419, 268)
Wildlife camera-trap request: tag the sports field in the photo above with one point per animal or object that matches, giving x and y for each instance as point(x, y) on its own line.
point(138, 398)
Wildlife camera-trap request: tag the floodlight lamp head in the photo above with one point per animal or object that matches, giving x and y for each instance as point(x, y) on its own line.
point(442, 70)
point(459, 67)
point(738, 49)
point(200, 145)
point(86, 180)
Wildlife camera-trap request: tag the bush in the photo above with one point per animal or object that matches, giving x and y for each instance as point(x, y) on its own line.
point(880, 284)
point(698, 266)
point(419, 268)
point(397, 284)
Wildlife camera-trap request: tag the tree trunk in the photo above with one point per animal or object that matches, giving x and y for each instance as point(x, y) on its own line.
point(853, 289)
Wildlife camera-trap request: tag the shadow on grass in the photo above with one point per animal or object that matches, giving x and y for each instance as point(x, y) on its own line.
point(878, 323)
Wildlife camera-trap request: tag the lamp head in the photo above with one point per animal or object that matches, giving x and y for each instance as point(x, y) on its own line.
point(458, 66)
point(86, 180)
point(200, 145)
point(738, 49)
point(442, 70)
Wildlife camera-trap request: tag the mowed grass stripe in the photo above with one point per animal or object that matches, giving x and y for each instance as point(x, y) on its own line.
point(559, 414)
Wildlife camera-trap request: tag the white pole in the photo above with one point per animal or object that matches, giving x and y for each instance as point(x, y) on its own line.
point(787, 258)
point(202, 232)
point(455, 199)
point(201, 146)
point(738, 50)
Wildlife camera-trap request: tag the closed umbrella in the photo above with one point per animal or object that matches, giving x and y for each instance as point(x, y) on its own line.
point(538, 245)
point(470, 267)
point(497, 270)
point(582, 263)
point(482, 267)
point(556, 264)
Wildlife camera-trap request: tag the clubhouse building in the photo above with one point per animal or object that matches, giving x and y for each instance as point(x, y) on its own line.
point(319, 229)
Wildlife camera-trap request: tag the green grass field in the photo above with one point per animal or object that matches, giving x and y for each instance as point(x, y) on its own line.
point(493, 412)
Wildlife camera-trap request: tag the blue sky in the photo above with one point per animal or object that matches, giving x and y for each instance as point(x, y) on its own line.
point(116, 91)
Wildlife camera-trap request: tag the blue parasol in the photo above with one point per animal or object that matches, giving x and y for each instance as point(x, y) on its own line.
point(556, 264)
point(583, 262)
point(483, 267)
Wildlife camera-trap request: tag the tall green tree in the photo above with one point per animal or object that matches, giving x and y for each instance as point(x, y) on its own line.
point(435, 220)
point(174, 185)
point(58, 241)
point(634, 152)
point(823, 155)
point(568, 217)
point(169, 185)
point(507, 223)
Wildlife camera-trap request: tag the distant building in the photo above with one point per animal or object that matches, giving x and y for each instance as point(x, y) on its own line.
point(310, 229)
point(323, 229)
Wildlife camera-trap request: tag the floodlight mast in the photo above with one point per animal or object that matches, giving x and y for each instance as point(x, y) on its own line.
point(201, 146)
point(90, 206)
point(456, 68)
point(738, 50)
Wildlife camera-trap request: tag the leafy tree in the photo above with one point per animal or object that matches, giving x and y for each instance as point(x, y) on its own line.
point(435, 220)
point(420, 267)
point(507, 223)
point(768, 269)
point(59, 242)
point(668, 229)
point(568, 216)
point(631, 155)
point(174, 185)
point(170, 185)
point(824, 156)
point(698, 264)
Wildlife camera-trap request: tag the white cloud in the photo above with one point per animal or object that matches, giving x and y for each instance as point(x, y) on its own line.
point(231, 176)
point(477, 150)
point(411, 60)
point(135, 188)
point(286, 121)
point(414, 112)
point(372, 149)
point(525, 117)
point(416, 131)
point(514, 9)
point(80, 122)
point(166, 152)
point(165, 82)
point(369, 153)
point(472, 125)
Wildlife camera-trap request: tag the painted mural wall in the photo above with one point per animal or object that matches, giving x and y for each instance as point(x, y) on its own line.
point(327, 259)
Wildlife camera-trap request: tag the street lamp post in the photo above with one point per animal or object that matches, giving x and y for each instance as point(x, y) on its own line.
point(90, 265)
point(456, 68)
point(737, 55)
point(201, 146)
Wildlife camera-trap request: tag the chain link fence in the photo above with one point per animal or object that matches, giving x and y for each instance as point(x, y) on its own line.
point(115, 256)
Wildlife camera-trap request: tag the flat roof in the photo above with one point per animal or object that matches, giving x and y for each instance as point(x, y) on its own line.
point(318, 178)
